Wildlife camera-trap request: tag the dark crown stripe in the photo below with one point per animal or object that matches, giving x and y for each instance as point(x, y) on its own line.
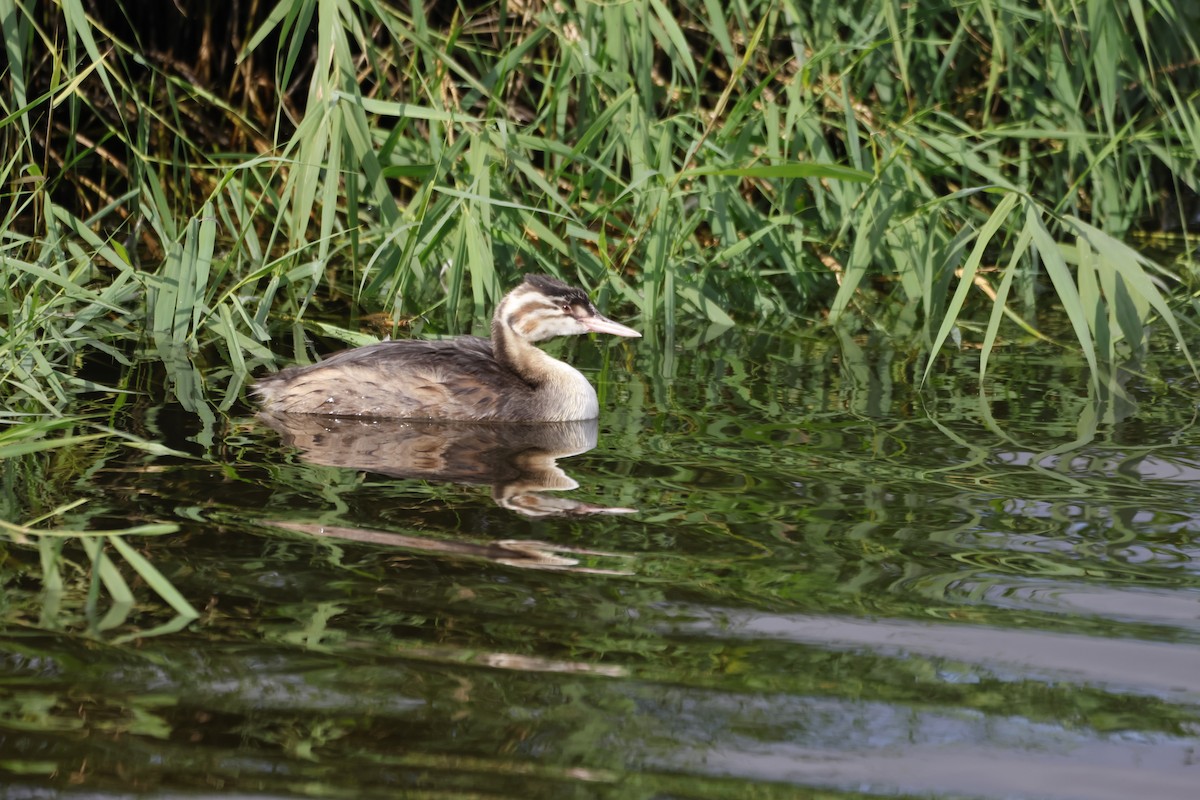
point(557, 290)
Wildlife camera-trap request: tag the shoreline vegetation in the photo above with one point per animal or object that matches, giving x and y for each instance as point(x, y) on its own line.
point(231, 181)
point(209, 178)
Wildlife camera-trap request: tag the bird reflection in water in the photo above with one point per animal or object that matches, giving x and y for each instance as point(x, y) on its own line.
point(519, 461)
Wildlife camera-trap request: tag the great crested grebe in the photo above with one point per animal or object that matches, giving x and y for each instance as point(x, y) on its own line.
point(505, 378)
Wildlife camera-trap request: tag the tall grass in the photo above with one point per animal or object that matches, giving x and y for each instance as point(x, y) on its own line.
point(208, 179)
point(693, 160)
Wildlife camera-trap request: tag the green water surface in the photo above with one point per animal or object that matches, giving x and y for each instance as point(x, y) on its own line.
point(823, 582)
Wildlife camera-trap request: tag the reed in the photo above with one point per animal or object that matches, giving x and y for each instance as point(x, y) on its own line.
point(744, 164)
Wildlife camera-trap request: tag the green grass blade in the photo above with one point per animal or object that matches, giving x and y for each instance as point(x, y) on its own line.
point(153, 578)
point(797, 170)
point(1064, 286)
point(969, 268)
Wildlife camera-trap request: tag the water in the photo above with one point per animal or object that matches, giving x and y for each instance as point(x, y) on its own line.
point(772, 568)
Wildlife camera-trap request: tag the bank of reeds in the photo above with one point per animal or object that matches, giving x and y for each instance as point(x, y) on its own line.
point(210, 177)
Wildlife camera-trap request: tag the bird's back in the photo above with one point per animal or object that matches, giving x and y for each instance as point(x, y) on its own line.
point(443, 379)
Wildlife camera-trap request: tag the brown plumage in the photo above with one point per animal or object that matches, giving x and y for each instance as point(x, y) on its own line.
point(506, 378)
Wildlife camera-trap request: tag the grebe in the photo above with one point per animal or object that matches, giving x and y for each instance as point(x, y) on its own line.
point(505, 378)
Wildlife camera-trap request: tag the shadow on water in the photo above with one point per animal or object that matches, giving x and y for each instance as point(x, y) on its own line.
point(519, 461)
point(833, 583)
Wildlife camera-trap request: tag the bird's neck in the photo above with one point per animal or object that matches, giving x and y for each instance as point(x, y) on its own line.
point(521, 356)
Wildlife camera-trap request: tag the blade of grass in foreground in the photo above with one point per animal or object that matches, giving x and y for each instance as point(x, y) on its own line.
point(1131, 266)
point(105, 572)
point(153, 578)
point(798, 170)
point(1064, 286)
point(999, 304)
point(969, 269)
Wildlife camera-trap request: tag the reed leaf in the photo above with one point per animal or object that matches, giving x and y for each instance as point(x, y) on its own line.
point(757, 162)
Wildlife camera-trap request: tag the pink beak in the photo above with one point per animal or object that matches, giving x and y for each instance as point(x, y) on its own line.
point(602, 324)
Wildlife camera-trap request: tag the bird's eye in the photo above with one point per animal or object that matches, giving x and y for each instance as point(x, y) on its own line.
point(566, 307)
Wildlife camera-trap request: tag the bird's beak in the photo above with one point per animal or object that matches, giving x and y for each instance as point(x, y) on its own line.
point(598, 323)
